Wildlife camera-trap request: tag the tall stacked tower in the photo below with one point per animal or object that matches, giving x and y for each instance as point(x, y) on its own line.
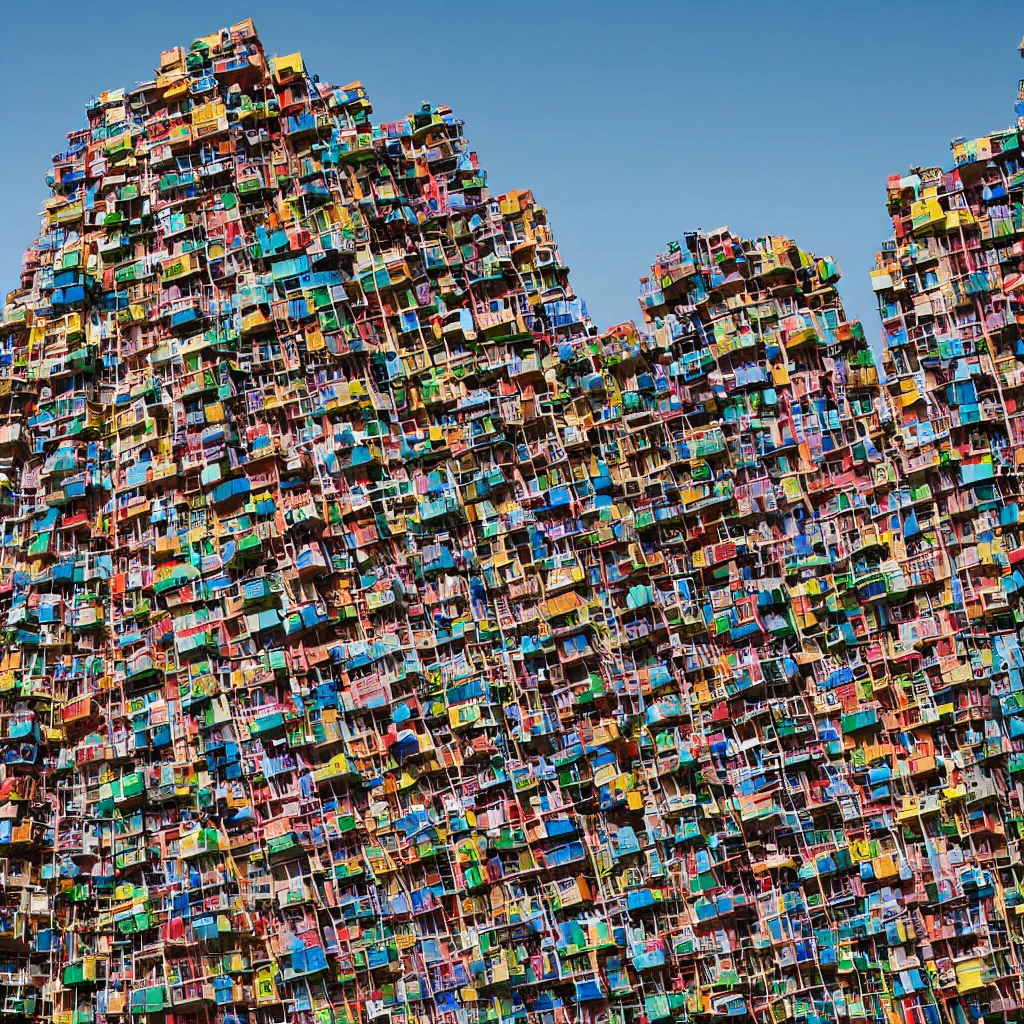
point(276, 408)
point(951, 297)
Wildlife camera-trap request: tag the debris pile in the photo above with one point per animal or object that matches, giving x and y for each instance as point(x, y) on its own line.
point(383, 642)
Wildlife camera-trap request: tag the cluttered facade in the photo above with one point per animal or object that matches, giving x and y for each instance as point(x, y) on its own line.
point(384, 642)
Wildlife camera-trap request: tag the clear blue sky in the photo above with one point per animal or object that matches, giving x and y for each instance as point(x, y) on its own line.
point(632, 122)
